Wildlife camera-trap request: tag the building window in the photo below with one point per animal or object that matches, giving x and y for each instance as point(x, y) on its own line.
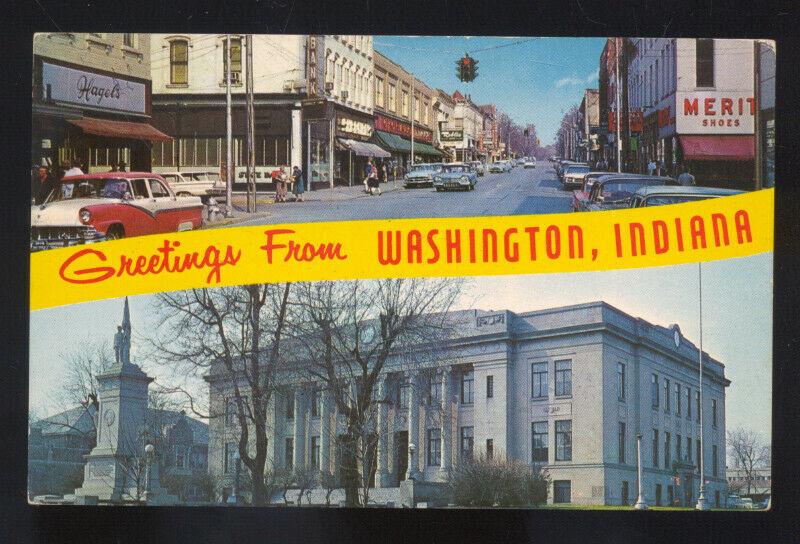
point(404, 104)
point(467, 394)
point(128, 40)
point(489, 448)
point(489, 386)
point(562, 492)
point(704, 54)
point(714, 413)
point(716, 498)
point(434, 447)
point(689, 448)
point(666, 396)
point(230, 457)
point(621, 381)
point(655, 448)
point(621, 443)
point(179, 62)
point(563, 378)
point(539, 380)
point(714, 461)
point(403, 394)
point(288, 453)
point(314, 451)
point(658, 494)
point(290, 405)
point(697, 405)
point(434, 391)
point(379, 92)
point(467, 438)
point(654, 390)
point(688, 402)
point(670, 495)
point(316, 402)
point(667, 449)
point(539, 440)
point(625, 492)
point(564, 440)
point(392, 97)
point(678, 446)
point(236, 61)
point(677, 399)
point(230, 411)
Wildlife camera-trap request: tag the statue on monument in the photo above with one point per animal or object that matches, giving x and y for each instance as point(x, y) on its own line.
point(122, 338)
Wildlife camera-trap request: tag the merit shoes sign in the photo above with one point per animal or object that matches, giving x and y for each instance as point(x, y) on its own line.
point(714, 112)
point(92, 90)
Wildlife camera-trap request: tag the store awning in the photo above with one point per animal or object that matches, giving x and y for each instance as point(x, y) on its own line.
point(425, 149)
point(718, 148)
point(364, 149)
point(392, 142)
point(119, 129)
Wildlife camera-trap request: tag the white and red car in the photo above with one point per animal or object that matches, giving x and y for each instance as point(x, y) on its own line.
point(111, 205)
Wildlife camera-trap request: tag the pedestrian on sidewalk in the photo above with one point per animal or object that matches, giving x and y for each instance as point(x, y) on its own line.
point(367, 171)
point(299, 184)
point(651, 167)
point(686, 177)
point(384, 172)
point(279, 176)
point(372, 180)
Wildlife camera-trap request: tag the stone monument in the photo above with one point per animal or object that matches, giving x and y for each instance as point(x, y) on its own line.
point(121, 467)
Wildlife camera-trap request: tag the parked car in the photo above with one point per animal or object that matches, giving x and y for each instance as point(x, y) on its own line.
point(560, 165)
point(95, 207)
point(192, 183)
point(455, 175)
point(582, 194)
point(530, 163)
point(660, 195)
point(615, 191)
point(421, 175)
point(735, 501)
point(573, 175)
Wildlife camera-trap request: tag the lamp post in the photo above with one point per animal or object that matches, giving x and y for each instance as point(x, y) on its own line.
point(149, 451)
point(237, 460)
point(702, 503)
point(412, 461)
point(641, 504)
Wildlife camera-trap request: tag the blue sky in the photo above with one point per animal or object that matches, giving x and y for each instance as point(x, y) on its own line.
point(737, 322)
point(534, 81)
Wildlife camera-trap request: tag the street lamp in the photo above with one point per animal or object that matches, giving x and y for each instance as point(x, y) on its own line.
point(149, 452)
point(641, 504)
point(702, 503)
point(412, 461)
point(237, 460)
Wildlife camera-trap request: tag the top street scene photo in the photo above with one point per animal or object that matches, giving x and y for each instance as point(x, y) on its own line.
point(136, 134)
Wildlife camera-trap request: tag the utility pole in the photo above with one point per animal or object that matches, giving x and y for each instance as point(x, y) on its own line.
point(616, 92)
point(229, 130)
point(251, 149)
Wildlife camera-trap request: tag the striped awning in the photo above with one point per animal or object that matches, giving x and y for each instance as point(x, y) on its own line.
point(364, 149)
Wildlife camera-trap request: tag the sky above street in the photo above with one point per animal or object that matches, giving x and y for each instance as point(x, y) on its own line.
point(737, 323)
point(532, 80)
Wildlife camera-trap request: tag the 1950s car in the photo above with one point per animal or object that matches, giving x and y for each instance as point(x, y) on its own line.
point(421, 174)
point(455, 175)
point(676, 194)
point(192, 183)
point(111, 205)
point(615, 191)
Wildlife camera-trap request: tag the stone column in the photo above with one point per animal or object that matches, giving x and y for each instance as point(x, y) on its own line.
point(297, 139)
point(383, 474)
point(325, 432)
point(445, 375)
point(299, 460)
point(413, 428)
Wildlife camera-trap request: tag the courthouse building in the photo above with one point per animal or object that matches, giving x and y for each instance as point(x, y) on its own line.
point(566, 389)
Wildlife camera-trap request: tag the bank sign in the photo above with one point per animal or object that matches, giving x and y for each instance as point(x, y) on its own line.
point(714, 112)
point(88, 89)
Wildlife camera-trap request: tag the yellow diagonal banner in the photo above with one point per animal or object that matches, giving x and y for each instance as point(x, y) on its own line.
point(714, 229)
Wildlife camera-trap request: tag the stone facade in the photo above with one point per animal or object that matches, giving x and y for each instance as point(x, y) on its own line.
point(577, 375)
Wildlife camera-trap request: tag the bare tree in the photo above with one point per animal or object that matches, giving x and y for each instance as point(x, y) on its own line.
point(749, 452)
point(408, 318)
point(236, 334)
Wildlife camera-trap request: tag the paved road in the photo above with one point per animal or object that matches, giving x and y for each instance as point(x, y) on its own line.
point(521, 191)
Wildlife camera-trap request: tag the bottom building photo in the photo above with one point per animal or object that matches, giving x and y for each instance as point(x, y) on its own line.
point(583, 390)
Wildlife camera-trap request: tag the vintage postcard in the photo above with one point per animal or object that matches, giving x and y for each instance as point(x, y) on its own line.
point(401, 272)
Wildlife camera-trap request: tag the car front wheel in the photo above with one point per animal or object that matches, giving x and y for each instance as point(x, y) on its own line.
point(115, 232)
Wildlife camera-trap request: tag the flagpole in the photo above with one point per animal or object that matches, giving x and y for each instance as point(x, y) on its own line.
point(702, 503)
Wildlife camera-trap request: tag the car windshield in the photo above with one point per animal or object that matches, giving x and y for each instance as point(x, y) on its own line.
point(204, 176)
point(455, 168)
point(660, 200)
point(90, 188)
point(422, 169)
point(619, 191)
point(577, 169)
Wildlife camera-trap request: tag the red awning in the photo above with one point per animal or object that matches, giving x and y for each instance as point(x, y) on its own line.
point(119, 129)
point(718, 148)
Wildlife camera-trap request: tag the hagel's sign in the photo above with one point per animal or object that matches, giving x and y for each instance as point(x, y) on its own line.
point(401, 128)
point(93, 90)
point(714, 112)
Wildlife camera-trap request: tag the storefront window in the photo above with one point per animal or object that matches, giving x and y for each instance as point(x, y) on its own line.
point(318, 152)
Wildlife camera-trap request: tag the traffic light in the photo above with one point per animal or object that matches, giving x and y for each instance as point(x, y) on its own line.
point(466, 68)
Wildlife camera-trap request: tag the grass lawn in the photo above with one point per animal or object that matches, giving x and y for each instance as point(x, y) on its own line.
point(623, 508)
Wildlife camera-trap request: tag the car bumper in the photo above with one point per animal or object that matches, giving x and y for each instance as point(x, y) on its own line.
point(571, 183)
point(451, 184)
point(51, 240)
point(417, 181)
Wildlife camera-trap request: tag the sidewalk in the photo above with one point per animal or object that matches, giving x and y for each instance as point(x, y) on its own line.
point(265, 201)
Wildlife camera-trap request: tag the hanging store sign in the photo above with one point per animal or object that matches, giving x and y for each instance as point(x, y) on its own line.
point(401, 128)
point(714, 112)
point(452, 135)
point(82, 88)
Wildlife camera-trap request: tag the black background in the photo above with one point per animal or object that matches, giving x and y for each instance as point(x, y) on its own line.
point(702, 18)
